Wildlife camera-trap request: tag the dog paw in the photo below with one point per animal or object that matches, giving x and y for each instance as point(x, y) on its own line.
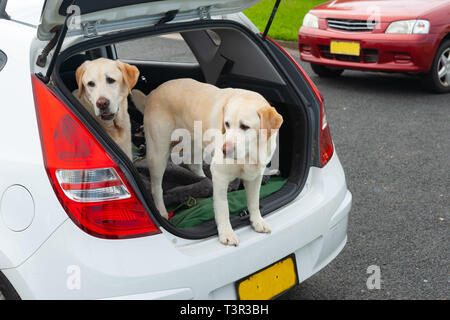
point(165, 215)
point(229, 238)
point(262, 226)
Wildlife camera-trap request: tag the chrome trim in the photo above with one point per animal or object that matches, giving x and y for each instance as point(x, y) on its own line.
point(351, 25)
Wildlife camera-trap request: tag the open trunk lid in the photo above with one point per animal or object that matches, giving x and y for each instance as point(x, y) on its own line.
point(94, 17)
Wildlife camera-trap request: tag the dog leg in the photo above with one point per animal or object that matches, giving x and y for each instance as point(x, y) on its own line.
point(197, 169)
point(157, 162)
point(252, 191)
point(197, 157)
point(221, 213)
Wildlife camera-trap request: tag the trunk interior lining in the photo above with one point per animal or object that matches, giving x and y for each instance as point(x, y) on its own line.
point(293, 152)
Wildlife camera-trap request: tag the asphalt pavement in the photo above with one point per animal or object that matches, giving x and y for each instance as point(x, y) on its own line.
point(393, 139)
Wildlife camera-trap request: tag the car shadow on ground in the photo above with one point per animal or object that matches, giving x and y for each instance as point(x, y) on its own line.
point(376, 83)
point(372, 82)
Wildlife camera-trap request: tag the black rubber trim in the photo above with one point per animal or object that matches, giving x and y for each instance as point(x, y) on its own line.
point(300, 89)
point(7, 289)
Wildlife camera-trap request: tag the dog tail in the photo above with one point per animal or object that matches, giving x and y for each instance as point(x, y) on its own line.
point(139, 99)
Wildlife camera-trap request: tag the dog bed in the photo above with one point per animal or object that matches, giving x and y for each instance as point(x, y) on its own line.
point(203, 210)
point(188, 197)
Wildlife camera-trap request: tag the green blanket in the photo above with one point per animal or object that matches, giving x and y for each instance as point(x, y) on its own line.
point(204, 211)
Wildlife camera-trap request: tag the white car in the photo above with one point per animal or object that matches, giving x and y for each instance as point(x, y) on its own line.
point(64, 238)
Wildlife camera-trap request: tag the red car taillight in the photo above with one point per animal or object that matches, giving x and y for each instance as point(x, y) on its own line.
point(89, 184)
point(326, 143)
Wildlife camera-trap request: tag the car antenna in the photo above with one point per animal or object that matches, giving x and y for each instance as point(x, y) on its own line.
point(272, 15)
point(61, 37)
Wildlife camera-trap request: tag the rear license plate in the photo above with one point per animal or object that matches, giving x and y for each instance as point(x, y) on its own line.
point(345, 47)
point(269, 282)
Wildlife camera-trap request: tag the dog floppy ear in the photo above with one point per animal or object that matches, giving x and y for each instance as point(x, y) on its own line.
point(130, 74)
point(79, 77)
point(270, 119)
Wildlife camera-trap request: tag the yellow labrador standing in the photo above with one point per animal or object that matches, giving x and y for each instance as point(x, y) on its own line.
point(236, 116)
point(103, 88)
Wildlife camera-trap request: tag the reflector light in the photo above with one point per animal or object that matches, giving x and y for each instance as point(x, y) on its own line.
point(92, 185)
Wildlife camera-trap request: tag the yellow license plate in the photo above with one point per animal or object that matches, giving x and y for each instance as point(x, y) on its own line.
point(269, 282)
point(344, 47)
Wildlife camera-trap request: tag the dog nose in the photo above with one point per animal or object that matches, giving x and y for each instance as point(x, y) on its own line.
point(227, 148)
point(102, 103)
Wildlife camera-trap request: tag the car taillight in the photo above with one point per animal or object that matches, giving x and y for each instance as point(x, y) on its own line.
point(326, 143)
point(89, 184)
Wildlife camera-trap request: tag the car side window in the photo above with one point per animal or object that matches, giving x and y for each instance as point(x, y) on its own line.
point(3, 59)
point(163, 48)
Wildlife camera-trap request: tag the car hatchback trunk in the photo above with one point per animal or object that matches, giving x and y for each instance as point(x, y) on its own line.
point(225, 54)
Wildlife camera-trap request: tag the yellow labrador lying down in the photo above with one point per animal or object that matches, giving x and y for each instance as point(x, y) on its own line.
point(103, 88)
point(232, 119)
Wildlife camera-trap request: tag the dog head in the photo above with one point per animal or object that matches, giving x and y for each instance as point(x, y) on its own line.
point(105, 84)
point(249, 122)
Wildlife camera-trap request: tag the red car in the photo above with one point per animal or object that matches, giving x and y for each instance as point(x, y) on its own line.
point(384, 35)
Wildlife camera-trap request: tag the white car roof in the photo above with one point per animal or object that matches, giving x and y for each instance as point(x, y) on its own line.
point(28, 11)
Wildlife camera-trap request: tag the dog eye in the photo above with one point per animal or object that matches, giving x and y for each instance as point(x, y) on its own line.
point(244, 127)
point(227, 124)
point(91, 84)
point(110, 80)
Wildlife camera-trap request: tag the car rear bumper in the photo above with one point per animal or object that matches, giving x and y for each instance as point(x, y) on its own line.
point(74, 265)
point(379, 51)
